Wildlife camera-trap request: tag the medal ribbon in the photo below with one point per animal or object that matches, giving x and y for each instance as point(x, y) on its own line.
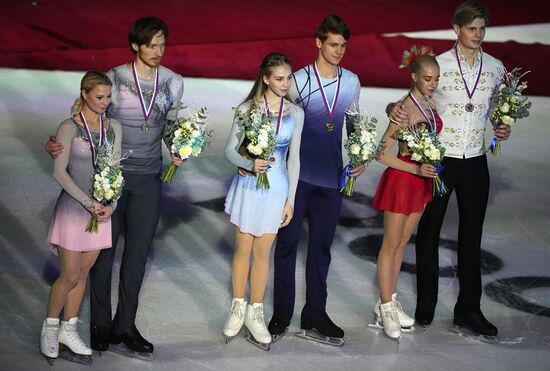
point(431, 121)
point(330, 109)
point(89, 134)
point(281, 109)
point(146, 110)
point(470, 94)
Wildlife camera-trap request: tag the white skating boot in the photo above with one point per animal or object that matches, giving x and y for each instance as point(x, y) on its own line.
point(255, 324)
point(49, 345)
point(390, 320)
point(68, 336)
point(405, 320)
point(235, 321)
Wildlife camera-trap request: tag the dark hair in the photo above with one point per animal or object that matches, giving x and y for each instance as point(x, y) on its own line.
point(332, 24)
point(144, 29)
point(422, 60)
point(270, 61)
point(90, 80)
point(466, 12)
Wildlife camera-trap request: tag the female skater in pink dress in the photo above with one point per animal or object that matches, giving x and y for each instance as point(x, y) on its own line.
point(83, 133)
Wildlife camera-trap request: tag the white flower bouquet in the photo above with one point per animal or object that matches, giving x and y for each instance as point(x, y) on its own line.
point(425, 148)
point(509, 103)
point(360, 146)
point(187, 138)
point(107, 182)
point(261, 137)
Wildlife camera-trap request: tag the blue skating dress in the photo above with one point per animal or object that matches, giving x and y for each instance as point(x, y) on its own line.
point(259, 211)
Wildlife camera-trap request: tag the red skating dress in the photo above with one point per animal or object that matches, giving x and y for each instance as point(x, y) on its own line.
point(402, 192)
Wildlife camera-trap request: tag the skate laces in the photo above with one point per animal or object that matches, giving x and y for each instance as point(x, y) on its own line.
point(398, 307)
point(258, 315)
point(51, 335)
point(72, 335)
point(391, 313)
point(238, 310)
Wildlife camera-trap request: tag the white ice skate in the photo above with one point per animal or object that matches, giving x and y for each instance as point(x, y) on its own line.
point(390, 320)
point(74, 348)
point(406, 322)
point(257, 332)
point(235, 321)
point(49, 345)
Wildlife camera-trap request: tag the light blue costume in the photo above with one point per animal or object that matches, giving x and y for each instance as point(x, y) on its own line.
point(259, 211)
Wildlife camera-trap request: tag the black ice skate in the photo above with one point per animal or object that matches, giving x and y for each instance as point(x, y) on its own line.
point(321, 329)
point(474, 325)
point(278, 326)
point(132, 344)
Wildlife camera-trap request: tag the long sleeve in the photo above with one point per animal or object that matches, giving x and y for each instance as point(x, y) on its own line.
point(353, 107)
point(293, 162)
point(171, 117)
point(236, 137)
point(65, 135)
point(117, 146)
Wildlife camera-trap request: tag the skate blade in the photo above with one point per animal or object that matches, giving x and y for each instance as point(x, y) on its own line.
point(378, 326)
point(470, 334)
point(262, 346)
point(50, 360)
point(318, 337)
point(69, 355)
point(125, 351)
point(276, 338)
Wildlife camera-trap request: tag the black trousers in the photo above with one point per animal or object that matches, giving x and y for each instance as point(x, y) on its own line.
point(138, 211)
point(469, 178)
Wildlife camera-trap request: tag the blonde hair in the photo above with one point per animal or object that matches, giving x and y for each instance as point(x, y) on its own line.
point(90, 80)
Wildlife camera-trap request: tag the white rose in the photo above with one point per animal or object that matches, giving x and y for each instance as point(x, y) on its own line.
point(504, 108)
point(355, 149)
point(513, 99)
point(177, 133)
point(416, 157)
point(435, 154)
point(507, 120)
point(109, 194)
point(255, 150)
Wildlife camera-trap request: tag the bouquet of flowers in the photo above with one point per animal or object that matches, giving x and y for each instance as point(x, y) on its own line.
point(187, 138)
point(261, 137)
point(425, 148)
point(509, 103)
point(107, 180)
point(360, 147)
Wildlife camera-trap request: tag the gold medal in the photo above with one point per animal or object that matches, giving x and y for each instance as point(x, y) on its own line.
point(330, 126)
point(145, 127)
point(469, 107)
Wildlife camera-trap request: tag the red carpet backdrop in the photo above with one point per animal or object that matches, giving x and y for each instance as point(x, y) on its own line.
point(221, 39)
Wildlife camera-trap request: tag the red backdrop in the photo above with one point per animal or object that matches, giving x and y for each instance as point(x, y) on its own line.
point(216, 38)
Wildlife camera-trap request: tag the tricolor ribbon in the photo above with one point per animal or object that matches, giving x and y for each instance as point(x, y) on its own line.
point(89, 135)
point(431, 121)
point(146, 110)
point(329, 108)
point(281, 109)
point(470, 94)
